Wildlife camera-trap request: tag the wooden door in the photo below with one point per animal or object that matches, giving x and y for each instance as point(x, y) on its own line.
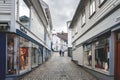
point(118, 60)
point(117, 55)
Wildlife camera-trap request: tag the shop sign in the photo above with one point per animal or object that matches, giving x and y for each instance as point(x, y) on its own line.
point(23, 29)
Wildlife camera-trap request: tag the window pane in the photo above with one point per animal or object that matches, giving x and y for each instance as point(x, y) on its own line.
point(34, 55)
point(102, 54)
point(93, 6)
point(12, 54)
point(24, 13)
point(101, 1)
point(88, 55)
point(83, 17)
point(91, 9)
point(24, 54)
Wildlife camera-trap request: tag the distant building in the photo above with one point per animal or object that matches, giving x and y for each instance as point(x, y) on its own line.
point(96, 37)
point(59, 41)
point(69, 39)
point(25, 36)
point(56, 43)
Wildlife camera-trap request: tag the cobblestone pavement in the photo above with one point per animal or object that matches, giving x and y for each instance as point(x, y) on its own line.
point(58, 68)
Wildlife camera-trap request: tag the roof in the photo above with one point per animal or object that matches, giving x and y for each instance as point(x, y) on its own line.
point(63, 36)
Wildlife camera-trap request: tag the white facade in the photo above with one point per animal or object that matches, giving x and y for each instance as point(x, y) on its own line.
point(93, 31)
point(69, 34)
point(58, 43)
point(24, 26)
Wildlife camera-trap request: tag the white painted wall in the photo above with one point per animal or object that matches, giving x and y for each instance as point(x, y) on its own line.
point(100, 12)
point(78, 55)
point(56, 43)
point(69, 37)
point(36, 25)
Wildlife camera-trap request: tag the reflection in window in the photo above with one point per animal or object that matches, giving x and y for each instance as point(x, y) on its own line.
point(88, 55)
point(101, 1)
point(34, 55)
point(102, 54)
point(92, 7)
point(83, 16)
point(12, 54)
point(39, 56)
point(24, 13)
point(24, 54)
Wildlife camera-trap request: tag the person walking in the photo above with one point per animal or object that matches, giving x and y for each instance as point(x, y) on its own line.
point(60, 52)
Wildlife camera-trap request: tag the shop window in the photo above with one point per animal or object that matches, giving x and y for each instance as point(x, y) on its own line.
point(12, 54)
point(24, 13)
point(102, 54)
point(92, 7)
point(24, 54)
point(34, 55)
point(39, 56)
point(88, 55)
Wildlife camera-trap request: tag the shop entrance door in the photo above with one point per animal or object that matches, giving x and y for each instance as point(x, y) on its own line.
point(117, 55)
point(118, 60)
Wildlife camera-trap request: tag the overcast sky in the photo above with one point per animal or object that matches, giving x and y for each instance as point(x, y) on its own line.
point(61, 12)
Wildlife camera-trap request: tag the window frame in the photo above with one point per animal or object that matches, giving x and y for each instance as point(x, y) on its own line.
point(93, 9)
point(101, 3)
point(27, 25)
point(76, 31)
point(83, 17)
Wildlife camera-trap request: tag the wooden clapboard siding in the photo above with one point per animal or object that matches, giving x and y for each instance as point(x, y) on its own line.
point(5, 6)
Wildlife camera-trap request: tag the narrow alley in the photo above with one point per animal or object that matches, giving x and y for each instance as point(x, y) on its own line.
point(58, 68)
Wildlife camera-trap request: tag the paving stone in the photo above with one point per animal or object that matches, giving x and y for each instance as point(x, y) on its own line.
point(58, 68)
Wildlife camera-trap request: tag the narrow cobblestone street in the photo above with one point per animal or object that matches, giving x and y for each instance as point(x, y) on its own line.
point(58, 68)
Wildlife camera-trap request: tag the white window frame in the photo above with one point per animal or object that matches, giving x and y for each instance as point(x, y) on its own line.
point(101, 2)
point(83, 17)
point(92, 7)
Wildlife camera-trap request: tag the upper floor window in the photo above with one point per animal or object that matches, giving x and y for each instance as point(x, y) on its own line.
point(101, 2)
point(24, 13)
point(83, 17)
point(92, 7)
point(76, 31)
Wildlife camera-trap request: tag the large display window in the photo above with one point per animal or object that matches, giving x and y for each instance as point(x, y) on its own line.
point(34, 55)
point(24, 55)
point(12, 54)
point(97, 54)
point(102, 54)
point(39, 56)
point(88, 55)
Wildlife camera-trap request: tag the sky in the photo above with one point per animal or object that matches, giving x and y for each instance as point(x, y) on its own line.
point(61, 12)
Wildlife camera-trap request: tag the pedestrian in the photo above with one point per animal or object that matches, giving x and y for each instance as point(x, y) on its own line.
point(60, 52)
